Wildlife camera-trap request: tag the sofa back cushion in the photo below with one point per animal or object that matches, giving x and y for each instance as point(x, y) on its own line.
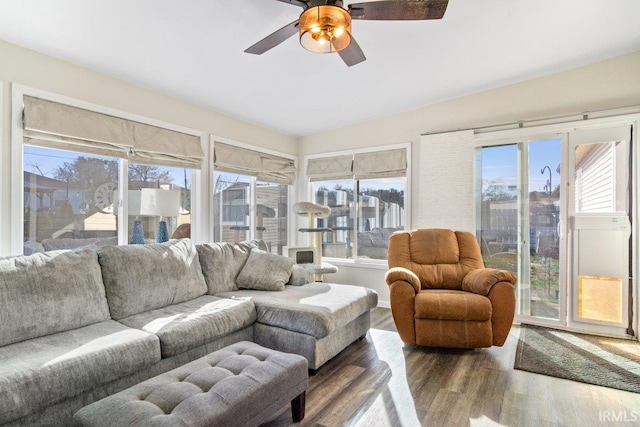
point(221, 263)
point(140, 278)
point(50, 292)
point(67, 243)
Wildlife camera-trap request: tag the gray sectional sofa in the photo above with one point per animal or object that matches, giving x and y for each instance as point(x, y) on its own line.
point(79, 325)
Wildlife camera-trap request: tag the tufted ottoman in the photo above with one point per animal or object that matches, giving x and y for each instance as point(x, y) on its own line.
point(243, 384)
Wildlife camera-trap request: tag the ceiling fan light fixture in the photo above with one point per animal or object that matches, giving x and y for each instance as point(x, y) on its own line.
point(325, 29)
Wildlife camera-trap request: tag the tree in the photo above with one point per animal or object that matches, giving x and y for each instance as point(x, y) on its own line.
point(87, 172)
point(223, 182)
point(146, 173)
point(36, 166)
point(496, 189)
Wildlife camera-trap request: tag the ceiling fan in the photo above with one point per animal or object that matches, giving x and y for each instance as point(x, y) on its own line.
point(325, 26)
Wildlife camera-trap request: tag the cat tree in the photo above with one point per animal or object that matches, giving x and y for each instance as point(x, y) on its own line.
point(262, 212)
point(314, 211)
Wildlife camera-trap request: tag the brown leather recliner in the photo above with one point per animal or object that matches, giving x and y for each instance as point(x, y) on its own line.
point(441, 294)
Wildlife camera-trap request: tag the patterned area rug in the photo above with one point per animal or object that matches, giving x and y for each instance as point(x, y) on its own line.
point(608, 362)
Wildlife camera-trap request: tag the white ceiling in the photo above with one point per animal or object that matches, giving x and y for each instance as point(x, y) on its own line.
point(193, 50)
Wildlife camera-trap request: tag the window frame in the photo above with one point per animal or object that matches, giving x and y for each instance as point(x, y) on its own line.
point(5, 189)
point(358, 261)
point(291, 196)
point(16, 218)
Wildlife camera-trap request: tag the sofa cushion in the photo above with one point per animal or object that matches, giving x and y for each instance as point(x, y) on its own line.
point(50, 292)
point(40, 372)
point(221, 263)
point(140, 278)
point(315, 309)
point(265, 271)
point(190, 324)
point(298, 276)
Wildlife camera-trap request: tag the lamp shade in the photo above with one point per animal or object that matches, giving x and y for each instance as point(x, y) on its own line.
point(134, 197)
point(152, 202)
point(325, 29)
point(157, 202)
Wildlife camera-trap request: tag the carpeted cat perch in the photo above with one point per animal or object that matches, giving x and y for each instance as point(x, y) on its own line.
point(314, 211)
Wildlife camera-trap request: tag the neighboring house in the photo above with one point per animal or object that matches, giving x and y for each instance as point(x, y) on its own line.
point(597, 187)
point(41, 192)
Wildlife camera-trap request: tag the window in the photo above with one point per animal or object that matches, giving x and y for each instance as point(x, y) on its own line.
point(231, 207)
point(68, 195)
point(251, 195)
point(361, 225)
point(170, 188)
point(70, 199)
point(338, 195)
point(271, 208)
point(72, 160)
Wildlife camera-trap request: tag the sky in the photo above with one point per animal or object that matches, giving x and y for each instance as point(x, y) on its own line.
point(44, 161)
point(500, 166)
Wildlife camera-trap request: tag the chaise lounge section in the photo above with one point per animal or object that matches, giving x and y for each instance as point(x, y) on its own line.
point(317, 320)
point(82, 325)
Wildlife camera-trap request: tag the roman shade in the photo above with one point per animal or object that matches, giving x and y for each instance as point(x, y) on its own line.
point(328, 168)
point(265, 167)
point(380, 164)
point(376, 164)
point(54, 125)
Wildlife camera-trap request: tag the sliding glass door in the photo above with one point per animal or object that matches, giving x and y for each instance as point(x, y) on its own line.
point(519, 218)
point(555, 211)
point(546, 241)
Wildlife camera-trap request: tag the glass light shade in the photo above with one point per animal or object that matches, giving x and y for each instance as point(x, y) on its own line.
point(325, 29)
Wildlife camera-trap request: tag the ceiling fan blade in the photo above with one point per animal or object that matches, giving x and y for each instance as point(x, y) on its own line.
point(352, 54)
point(300, 3)
point(399, 10)
point(274, 39)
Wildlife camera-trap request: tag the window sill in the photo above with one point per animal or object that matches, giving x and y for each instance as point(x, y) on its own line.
point(374, 265)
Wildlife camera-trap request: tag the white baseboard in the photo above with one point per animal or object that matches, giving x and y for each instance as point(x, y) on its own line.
point(384, 304)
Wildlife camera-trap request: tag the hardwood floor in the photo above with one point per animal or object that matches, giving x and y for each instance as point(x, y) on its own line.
point(379, 381)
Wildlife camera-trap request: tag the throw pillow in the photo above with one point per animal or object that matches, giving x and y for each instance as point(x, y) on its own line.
point(298, 276)
point(265, 271)
point(222, 262)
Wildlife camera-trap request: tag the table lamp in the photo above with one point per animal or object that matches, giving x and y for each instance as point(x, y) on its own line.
point(137, 234)
point(162, 203)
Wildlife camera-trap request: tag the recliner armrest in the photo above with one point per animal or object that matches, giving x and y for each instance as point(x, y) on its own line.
point(399, 273)
point(481, 280)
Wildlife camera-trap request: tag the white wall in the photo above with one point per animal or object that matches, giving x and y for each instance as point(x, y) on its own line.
point(29, 68)
point(608, 84)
